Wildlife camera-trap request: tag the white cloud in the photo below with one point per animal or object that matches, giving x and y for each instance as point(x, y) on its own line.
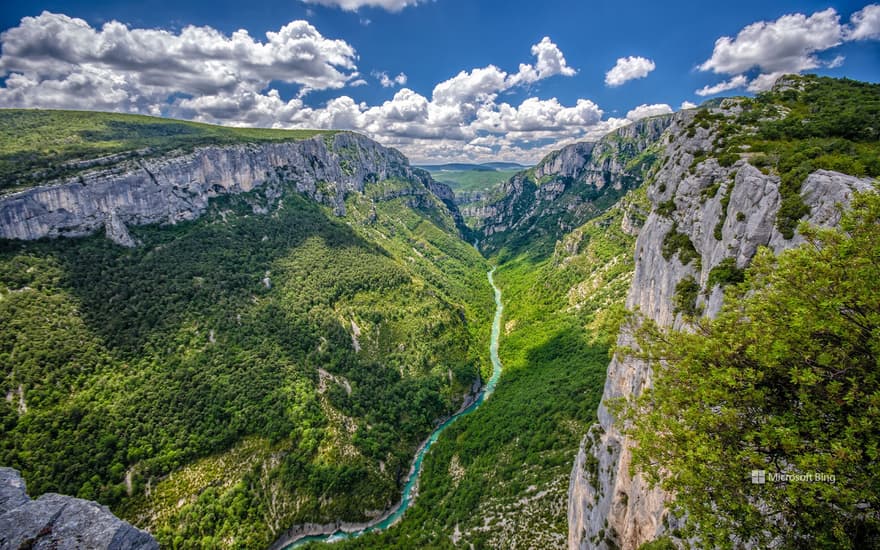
point(764, 82)
point(645, 111)
point(534, 115)
point(389, 82)
point(354, 5)
point(787, 44)
point(790, 44)
point(628, 68)
point(687, 105)
point(55, 60)
point(550, 62)
point(202, 74)
point(865, 24)
point(736, 82)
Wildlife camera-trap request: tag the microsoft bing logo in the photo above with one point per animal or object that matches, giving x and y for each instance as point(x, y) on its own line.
point(760, 477)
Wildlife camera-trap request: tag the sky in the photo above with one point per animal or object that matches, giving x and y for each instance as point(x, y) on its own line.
point(441, 80)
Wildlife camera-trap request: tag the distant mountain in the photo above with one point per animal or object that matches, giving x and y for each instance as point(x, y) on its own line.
point(505, 165)
point(466, 167)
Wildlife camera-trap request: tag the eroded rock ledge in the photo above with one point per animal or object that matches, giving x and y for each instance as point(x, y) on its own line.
point(177, 187)
point(61, 522)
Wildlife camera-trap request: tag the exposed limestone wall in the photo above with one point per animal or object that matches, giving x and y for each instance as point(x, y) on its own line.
point(564, 184)
point(607, 507)
point(173, 188)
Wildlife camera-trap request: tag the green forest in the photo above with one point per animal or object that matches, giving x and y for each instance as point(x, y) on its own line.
point(134, 363)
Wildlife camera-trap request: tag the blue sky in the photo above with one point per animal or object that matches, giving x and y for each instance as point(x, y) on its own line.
point(463, 79)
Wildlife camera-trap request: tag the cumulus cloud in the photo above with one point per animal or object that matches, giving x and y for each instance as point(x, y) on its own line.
point(687, 105)
point(787, 44)
point(865, 24)
point(736, 82)
point(645, 111)
point(389, 82)
point(199, 73)
point(53, 60)
point(354, 5)
point(550, 62)
point(628, 68)
point(790, 44)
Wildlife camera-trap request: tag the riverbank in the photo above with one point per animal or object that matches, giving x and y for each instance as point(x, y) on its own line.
point(304, 533)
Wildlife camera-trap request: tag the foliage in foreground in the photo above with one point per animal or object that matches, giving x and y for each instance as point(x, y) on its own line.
point(786, 380)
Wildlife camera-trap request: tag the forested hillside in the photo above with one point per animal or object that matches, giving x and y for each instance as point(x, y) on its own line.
point(263, 365)
point(498, 478)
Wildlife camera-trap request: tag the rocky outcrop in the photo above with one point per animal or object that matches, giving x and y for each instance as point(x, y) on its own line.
point(569, 186)
point(61, 522)
point(569, 162)
point(173, 188)
point(608, 508)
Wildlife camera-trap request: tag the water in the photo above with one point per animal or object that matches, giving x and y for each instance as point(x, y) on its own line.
point(416, 469)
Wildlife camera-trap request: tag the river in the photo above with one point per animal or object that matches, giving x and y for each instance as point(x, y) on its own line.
point(409, 489)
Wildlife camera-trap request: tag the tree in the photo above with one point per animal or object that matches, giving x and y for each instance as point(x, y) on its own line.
point(786, 380)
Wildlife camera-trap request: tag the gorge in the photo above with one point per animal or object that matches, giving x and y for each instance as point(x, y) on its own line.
point(281, 340)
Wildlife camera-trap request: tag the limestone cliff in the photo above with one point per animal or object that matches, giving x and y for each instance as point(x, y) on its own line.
point(62, 522)
point(177, 187)
point(569, 186)
point(607, 507)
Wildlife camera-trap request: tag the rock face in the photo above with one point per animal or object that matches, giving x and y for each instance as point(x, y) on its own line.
point(569, 186)
point(61, 522)
point(170, 189)
point(607, 507)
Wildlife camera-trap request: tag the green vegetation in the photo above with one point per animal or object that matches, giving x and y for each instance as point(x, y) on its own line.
point(725, 273)
point(811, 123)
point(666, 208)
point(473, 181)
point(678, 243)
point(508, 463)
point(37, 145)
point(784, 380)
point(233, 340)
point(663, 543)
point(685, 298)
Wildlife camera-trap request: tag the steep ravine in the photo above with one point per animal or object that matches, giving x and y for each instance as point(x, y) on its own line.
point(607, 507)
point(568, 187)
point(299, 535)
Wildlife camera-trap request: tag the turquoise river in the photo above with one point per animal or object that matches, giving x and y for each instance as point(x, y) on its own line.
point(396, 513)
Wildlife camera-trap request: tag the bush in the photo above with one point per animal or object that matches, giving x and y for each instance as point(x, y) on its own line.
point(725, 273)
point(666, 208)
point(678, 243)
point(686, 293)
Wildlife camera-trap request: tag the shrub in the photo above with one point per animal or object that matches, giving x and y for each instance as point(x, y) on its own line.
point(679, 243)
point(725, 273)
point(685, 299)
